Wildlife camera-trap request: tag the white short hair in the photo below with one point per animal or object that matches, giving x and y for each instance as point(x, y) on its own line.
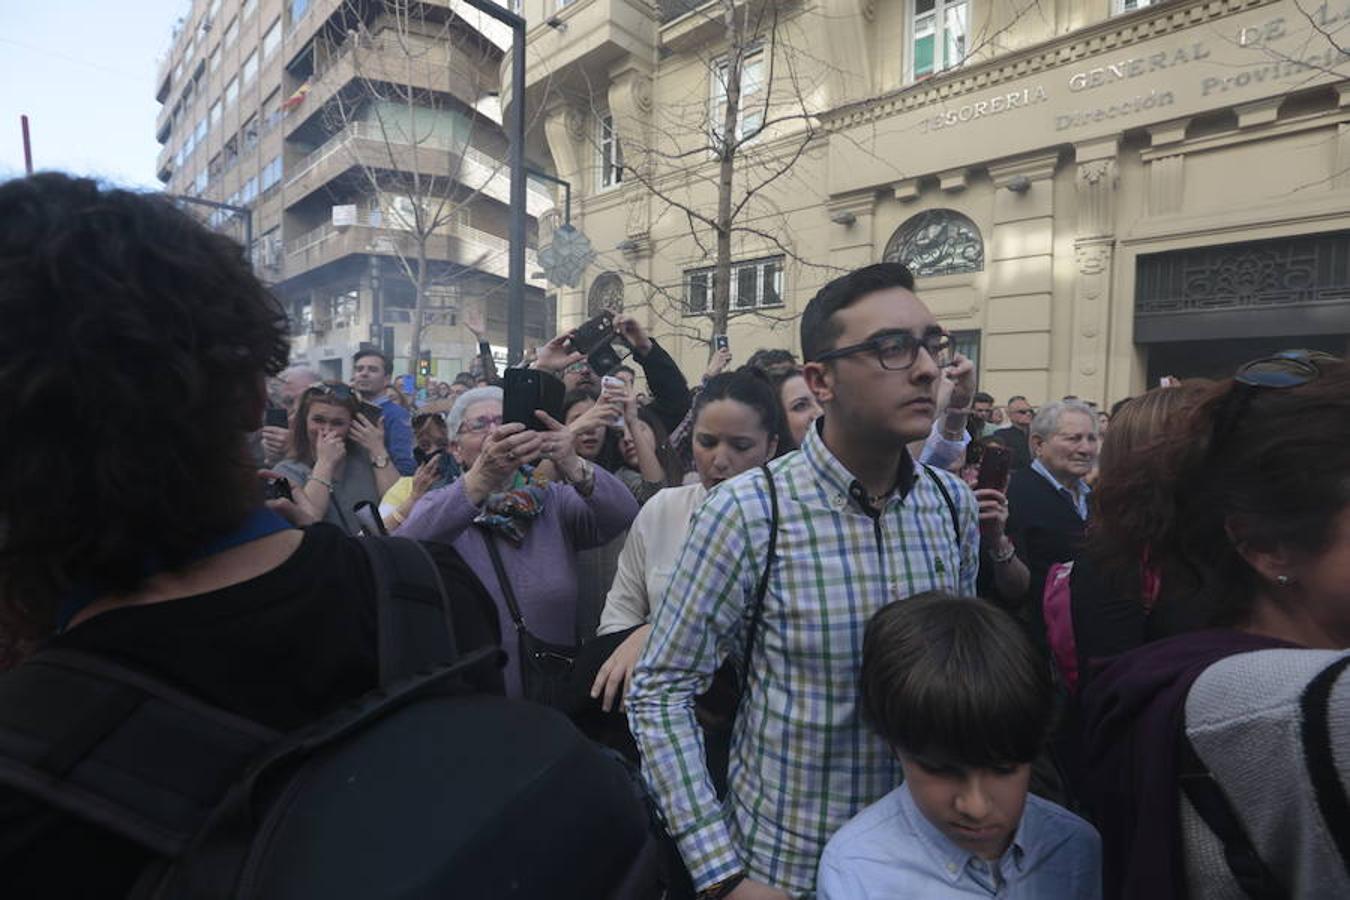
point(1047, 418)
point(455, 420)
point(300, 371)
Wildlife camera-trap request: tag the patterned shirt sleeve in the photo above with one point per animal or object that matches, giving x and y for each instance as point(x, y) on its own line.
point(694, 627)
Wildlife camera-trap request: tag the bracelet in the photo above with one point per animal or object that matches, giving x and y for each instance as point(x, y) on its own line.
point(722, 888)
point(327, 484)
point(1001, 558)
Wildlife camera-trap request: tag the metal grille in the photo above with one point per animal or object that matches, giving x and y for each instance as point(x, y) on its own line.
point(1302, 271)
point(937, 242)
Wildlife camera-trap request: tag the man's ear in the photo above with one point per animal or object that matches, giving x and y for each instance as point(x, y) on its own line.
point(819, 379)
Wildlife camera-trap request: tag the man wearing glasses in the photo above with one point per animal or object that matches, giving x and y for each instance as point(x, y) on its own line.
point(859, 524)
point(1017, 436)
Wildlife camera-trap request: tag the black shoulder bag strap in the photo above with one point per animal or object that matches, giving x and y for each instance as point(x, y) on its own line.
point(951, 504)
point(508, 592)
point(762, 589)
point(412, 608)
point(1213, 807)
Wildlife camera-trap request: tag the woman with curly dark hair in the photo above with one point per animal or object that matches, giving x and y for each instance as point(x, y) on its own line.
point(135, 353)
point(1215, 761)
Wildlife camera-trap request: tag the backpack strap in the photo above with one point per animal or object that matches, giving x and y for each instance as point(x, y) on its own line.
point(1318, 753)
point(1210, 802)
point(119, 749)
point(951, 504)
point(415, 629)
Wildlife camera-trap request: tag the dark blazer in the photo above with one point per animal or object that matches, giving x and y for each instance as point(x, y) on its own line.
point(1045, 527)
point(670, 391)
point(1016, 440)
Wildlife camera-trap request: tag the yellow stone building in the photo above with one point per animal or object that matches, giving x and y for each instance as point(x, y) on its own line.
point(1094, 193)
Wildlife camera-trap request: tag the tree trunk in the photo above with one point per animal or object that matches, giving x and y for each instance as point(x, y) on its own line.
point(420, 306)
point(721, 305)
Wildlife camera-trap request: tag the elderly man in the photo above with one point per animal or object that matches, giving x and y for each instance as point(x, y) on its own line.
point(1048, 502)
point(290, 385)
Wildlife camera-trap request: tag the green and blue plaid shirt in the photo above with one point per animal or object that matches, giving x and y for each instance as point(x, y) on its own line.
point(802, 761)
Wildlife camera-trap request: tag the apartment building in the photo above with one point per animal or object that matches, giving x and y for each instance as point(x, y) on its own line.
point(365, 139)
point(1092, 193)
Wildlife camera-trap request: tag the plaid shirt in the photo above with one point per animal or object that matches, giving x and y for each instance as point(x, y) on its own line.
point(802, 762)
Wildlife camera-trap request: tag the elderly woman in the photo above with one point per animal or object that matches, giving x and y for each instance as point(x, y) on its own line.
point(536, 529)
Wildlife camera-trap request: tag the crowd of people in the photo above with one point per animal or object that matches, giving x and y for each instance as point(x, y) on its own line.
point(850, 628)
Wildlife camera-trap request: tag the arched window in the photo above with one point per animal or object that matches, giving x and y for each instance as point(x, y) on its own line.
point(606, 293)
point(937, 242)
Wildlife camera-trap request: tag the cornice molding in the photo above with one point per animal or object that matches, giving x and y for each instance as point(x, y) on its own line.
point(1115, 33)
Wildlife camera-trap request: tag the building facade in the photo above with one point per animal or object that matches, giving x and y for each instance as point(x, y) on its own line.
point(365, 139)
point(1092, 193)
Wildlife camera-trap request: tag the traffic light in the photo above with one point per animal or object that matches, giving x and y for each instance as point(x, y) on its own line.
point(424, 365)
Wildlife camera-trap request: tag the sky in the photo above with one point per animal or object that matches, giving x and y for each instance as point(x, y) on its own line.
point(84, 73)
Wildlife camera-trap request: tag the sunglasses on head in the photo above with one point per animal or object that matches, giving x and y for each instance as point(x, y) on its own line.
point(337, 389)
point(1286, 369)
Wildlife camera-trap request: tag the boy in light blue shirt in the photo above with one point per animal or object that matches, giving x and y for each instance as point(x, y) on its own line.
point(956, 688)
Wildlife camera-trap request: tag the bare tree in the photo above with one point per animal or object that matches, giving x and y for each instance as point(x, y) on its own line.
point(757, 127)
point(413, 128)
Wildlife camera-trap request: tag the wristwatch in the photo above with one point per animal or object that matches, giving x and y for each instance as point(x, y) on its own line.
point(722, 888)
point(587, 474)
point(380, 462)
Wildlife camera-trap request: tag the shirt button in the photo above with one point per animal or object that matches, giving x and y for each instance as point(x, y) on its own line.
point(951, 867)
point(840, 501)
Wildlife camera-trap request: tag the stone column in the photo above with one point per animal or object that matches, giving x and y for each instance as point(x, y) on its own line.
point(1019, 256)
point(1096, 181)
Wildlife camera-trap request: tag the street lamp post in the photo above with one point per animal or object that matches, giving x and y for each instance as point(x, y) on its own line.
point(515, 271)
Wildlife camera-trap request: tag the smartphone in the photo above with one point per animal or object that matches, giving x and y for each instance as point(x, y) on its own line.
point(720, 342)
point(371, 412)
point(604, 359)
point(994, 467)
point(609, 382)
point(527, 390)
point(593, 332)
point(369, 517)
point(275, 417)
point(278, 489)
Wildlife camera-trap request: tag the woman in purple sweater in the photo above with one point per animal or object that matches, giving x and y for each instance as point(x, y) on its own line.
point(537, 527)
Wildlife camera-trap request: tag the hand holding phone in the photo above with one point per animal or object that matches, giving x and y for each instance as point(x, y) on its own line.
point(275, 417)
point(995, 465)
point(721, 342)
point(527, 390)
point(592, 333)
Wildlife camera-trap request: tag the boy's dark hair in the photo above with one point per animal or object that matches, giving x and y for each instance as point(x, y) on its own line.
point(133, 353)
point(820, 330)
point(772, 361)
point(374, 351)
point(982, 397)
point(629, 369)
point(954, 679)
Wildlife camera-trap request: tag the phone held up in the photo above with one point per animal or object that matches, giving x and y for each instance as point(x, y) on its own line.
point(527, 390)
point(371, 412)
point(995, 465)
point(592, 333)
point(721, 342)
point(275, 417)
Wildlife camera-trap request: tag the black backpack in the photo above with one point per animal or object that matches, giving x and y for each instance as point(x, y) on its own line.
point(421, 788)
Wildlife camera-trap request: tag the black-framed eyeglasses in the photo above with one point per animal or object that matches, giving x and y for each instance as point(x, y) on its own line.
point(897, 350)
point(335, 389)
point(1286, 369)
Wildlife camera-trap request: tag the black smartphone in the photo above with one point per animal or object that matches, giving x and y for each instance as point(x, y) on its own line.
point(721, 342)
point(371, 412)
point(369, 517)
point(604, 359)
point(994, 466)
point(593, 332)
point(278, 489)
point(527, 390)
point(275, 417)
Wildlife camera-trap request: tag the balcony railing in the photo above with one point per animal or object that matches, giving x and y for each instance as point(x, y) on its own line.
point(477, 170)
